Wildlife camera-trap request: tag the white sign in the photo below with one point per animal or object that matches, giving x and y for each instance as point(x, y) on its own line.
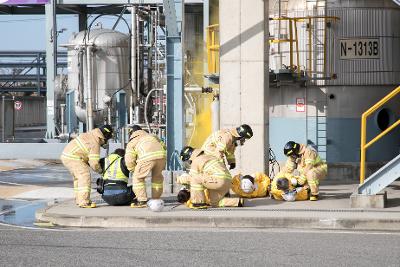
point(18, 105)
point(300, 105)
point(360, 48)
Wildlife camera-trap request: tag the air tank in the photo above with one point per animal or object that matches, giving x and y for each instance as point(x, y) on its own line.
point(109, 58)
point(356, 70)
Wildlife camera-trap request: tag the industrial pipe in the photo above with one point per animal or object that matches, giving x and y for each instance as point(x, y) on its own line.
point(215, 114)
point(133, 100)
point(89, 101)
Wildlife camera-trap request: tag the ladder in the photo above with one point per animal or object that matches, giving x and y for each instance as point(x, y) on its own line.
point(316, 124)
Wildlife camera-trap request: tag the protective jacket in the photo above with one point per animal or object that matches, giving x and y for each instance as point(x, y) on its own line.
point(114, 168)
point(207, 165)
point(143, 147)
point(86, 148)
point(261, 182)
point(301, 194)
point(221, 144)
point(309, 159)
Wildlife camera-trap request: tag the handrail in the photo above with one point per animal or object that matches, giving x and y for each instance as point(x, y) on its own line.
point(364, 145)
point(212, 43)
point(294, 38)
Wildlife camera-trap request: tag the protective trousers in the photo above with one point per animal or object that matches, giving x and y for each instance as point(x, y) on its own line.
point(217, 188)
point(81, 175)
point(140, 173)
point(313, 177)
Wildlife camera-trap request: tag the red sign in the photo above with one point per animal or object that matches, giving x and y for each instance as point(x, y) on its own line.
point(300, 105)
point(18, 105)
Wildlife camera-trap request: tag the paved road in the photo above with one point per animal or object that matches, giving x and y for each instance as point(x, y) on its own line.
point(157, 247)
point(48, 175)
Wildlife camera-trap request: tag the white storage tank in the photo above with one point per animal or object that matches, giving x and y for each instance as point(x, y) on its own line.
point(110, 69)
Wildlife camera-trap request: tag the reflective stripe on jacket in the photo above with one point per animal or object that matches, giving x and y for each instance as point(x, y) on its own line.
point(220, 144)
point(203, 164)
point(86, 148)
point(143, 147)
point(112, 167)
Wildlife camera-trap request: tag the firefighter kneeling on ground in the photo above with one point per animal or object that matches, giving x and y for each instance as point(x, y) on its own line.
point(311, 167)
point(285, 187)
point(222, 144)
point(208, 172)
point(113, 186)
point(251, 186)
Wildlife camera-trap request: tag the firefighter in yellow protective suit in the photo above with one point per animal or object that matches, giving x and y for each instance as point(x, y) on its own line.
point(113, 186)
point(222, 143)
point(309, 164)
point(145, 153)
point(208, 172)
point(80, 154)
point(285, 187)
point(251, 186)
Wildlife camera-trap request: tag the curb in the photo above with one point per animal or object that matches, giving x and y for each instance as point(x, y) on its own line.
point(301, 222)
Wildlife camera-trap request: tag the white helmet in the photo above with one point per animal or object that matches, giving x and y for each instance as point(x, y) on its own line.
point(155, 205)
point(247, 185)
point(289, 196)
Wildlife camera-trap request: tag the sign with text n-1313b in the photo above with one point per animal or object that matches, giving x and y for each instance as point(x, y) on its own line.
point(23, 2)
point(366, 48)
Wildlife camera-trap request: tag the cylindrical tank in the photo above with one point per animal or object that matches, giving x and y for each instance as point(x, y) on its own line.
point(360, 69)
point(110, 69)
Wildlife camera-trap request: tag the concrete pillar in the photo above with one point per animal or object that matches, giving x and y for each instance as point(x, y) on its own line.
point(244, 84)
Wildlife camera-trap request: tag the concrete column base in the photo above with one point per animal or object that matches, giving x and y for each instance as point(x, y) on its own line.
point(368, 201)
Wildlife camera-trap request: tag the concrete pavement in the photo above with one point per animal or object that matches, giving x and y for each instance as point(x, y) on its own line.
point(331, 212)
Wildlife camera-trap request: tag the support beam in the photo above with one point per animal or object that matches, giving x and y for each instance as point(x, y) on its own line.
point(51, 69)
point(174, 10)
point(244, 81)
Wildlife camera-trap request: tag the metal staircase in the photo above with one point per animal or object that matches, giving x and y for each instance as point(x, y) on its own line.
point(382, 178)
point(388, 173)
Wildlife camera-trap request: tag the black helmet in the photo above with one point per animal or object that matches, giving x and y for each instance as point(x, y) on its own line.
point(107, 131)
point(245, 131)
point(291, 148)
point(134, 128)
point(186, 153)
point(282, 184)
point(183, 196)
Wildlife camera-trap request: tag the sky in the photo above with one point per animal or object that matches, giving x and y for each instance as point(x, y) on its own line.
point(18, 32)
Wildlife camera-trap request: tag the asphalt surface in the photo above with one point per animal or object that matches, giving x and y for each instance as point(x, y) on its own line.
point(48, 175)
point(201, 247)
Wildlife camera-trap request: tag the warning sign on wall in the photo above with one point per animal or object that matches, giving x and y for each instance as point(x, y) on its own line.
point(300, 105)
point(18, 105)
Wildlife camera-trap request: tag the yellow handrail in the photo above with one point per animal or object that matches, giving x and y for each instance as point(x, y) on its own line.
point(212, 43)
point(364, 116)
point(292, 23)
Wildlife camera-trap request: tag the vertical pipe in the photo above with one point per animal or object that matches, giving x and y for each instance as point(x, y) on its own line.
point(215, 106)
point(38, 74)
point(291, 43)
point(279, 33)
point(138, 58)
point(89, 101)
point(297, 48)
point(62, 121)
point(309, 48)
point(362, 146)
point(51, 59)
point(133, 101)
